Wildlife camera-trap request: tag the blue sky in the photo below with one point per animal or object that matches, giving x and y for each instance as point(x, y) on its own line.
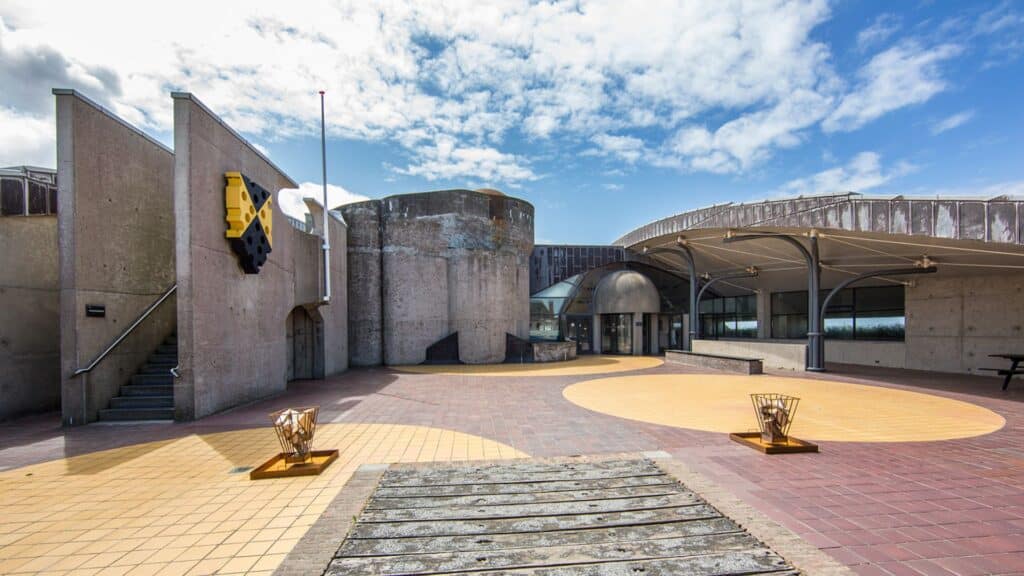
point(603, 115)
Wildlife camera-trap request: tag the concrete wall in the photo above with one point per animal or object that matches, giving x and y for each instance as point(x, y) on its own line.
point(364, 283)
point(116, 237)
point(953, 323)
point(867, 352)
point(232, 336)
point(29, 315)
point(449, 261)
point(786, 355)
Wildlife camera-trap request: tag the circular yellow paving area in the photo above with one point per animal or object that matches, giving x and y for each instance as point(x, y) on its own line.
point(175, 507)
point(828, 410)
point(580, 366)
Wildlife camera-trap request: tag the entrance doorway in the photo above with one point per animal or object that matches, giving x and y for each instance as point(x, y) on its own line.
point(578, 328)
point(304, 344)
point(617, 333)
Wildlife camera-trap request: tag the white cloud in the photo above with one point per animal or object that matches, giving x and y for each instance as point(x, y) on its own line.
point(627, 148)
point(26, 139)
point(711, 86)
point(884, 26)
point(862, 173)
point(903, 75)
point(446, 159)
point(612, 186)
point(290, 199)
point(954, 121)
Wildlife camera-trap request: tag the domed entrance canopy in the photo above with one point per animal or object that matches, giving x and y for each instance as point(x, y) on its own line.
point(626, 291)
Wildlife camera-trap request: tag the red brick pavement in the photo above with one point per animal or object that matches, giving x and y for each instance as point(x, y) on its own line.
point(952, 507)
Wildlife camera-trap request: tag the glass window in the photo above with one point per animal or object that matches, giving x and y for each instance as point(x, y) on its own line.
point(12, 197)
point(870, 313)
point(53, 199)
point(880, 326)
point(729, 317)
point(36, 198)
point(880, 298)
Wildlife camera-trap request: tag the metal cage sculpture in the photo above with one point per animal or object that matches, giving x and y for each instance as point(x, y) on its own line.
point(295, 428)
point(775, 413)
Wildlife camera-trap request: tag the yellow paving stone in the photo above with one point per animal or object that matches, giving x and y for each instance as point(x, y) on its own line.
point(103, 560)
point(145, 570)
point(239, 565)
point(176, 568)
point(828, 410)
point(282, 546)
point(194, 553)
point(254, 549)
point(590, 364)
point(114, 571)
point(269, 562)
point(162, 505)
point(206, 567)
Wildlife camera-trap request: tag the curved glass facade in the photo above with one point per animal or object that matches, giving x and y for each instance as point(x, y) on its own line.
point(563, 310)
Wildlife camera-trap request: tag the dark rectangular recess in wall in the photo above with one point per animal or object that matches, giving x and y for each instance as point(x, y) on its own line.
point(95, 310)
point(12, 197)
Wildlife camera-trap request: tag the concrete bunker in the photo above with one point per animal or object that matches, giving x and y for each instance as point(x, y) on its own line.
point(425, 266)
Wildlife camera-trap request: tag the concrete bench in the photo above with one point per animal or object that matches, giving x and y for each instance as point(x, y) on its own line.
point(714, 361)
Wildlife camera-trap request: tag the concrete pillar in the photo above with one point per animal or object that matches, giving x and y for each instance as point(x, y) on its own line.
point(764, 314)
point(638, 333)
point(596, 334)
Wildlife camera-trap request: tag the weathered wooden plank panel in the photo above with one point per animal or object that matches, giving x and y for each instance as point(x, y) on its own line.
point(547, 556)
point(604, 518)
point(430, 544)
point(519, 468)
point(499, 476)
point(524, 498)
point(523, 487)
point(729, 564)
point(543, 523)
point(526, 510)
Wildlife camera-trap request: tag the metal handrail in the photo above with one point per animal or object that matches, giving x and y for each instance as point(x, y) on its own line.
point(145, 314)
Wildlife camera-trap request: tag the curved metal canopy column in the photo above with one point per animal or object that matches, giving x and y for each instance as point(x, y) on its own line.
point(708, 282)
point(815, 347)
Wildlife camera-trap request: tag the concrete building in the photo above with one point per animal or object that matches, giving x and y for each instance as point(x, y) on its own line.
point(29, 292)
point(425, 267)
point(133, 301)
point(926, 283)
point(140, 281)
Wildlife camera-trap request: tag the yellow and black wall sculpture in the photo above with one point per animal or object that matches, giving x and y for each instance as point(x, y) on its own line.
point(250, 218)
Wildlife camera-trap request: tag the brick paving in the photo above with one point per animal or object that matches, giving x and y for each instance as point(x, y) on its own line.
point(950, 507)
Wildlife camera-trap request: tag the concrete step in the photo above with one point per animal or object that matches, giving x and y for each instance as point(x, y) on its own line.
point(127, 414)
point(163, 368)
point(142, 402)
point(167, 349)
point(160, 379)
point(158, 358)
point(147, 390)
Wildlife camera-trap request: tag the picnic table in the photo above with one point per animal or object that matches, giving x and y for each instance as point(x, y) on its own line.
point(1015, 360)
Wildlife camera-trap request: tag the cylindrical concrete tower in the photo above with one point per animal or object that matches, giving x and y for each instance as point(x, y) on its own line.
point(449, 261)
point(455, 261)
point(364, 282)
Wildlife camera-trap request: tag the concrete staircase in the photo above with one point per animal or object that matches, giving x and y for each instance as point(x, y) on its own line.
point(150, 395)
